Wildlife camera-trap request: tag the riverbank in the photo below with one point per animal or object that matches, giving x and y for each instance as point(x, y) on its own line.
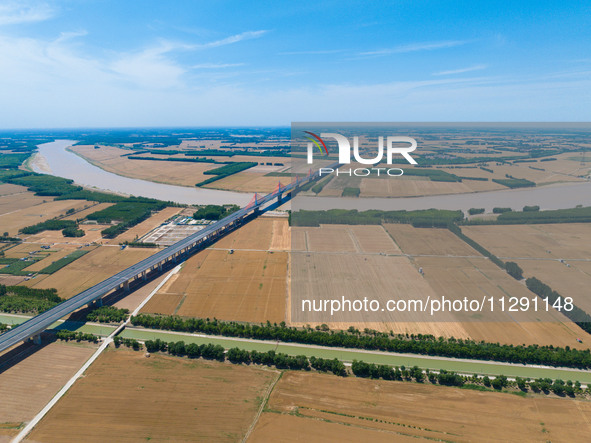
point(54, 158)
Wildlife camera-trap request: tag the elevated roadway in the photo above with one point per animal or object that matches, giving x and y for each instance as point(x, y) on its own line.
point(154, 264)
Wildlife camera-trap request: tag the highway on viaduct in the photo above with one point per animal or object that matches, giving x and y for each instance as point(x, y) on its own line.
point(154, 263)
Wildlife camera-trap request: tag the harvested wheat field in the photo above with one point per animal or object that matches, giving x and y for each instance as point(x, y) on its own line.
point(317, 407)
point(243, 286)
point(280, 235)
point(265, 233)
point(20, 250)
point(50, 258)
point(478, 278)
point(344, 238)
point(546, 241)
point(10, 189)
point(171, 172)
point(246, 181)
point(320, 276)
point(125, 396)
point(573, 280)
point(428, 241)
point(92, 234)
point(28, 385)
point(456, 272)
point(26, 209)
point(351, 261)
point(248, 285)
point(90, 269)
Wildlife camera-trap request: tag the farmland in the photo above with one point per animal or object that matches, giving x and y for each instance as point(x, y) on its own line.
point(248, 181)
point(116, 160)
point(176, 173)
point(450, 268)
point(353, 259)
point(257, 273)
point(317, 407)
point(28, 386)
point(22, 208)
point(89, 270)
point(477, 177)
point(539, 249)
point(125, 396)
point(146, 226)
point(546, 241)
point(247, 285)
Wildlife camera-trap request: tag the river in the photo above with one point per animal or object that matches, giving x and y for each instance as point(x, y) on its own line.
point(53, 158)
point(555, 196)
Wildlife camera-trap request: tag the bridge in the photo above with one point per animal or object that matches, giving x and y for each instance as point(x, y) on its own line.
point(154, 264)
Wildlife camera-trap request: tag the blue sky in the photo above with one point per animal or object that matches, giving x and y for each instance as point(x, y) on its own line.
point(75, 63)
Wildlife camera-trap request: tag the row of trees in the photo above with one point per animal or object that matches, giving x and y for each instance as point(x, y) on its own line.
point(66, 335)
point(576, 314)
point(513, 183)
point(242, 356)
point(358, 368)
point(191, 350)
point(225, 171)
point(373, 340)
point(49, 225)
point(532, 215)
point(545, 385)
point(107, 314)
point(127, 342)
point(214, 212)
point(374, 217)
point(458, 232)
point(514, 270)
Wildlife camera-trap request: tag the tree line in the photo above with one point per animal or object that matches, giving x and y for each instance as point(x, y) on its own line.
point(214, 212)
point(532, 215)
point(576, 314)
point(359, 368)
point(225, 171)
point(374, 340)
point(64, 334)
point(107, 314)
point(375, 217)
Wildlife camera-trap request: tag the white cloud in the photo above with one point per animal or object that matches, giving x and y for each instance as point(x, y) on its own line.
point(216, 65)
point(232, 39)
point(461, 70)
point(414, 47)
point(319, 52)
point(13, 12)
point(150, 68)
point(70, 35)
point(54, 83)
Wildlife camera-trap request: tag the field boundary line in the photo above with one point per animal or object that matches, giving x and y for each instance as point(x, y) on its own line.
point(27, 429)
point(264, 402)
